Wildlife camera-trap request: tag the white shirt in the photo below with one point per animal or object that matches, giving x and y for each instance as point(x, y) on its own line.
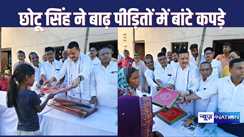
point(50, 70)
point(37, 72)
point(142, 68)
point(163, 74)
point(149, 74)
point(37, 77)
point(186, 79)
point(95, 61)
point(230, 97)
point(217, 68)
point(208, 104)
point(106, 84)
point(71, 70)
point(195, 62)
point(174, 65)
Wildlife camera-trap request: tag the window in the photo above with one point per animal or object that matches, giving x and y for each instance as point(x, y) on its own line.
point(236, 45)
point(178, 46)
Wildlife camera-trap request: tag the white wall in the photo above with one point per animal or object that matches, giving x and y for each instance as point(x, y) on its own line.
point(156, 38)
point(28, 39)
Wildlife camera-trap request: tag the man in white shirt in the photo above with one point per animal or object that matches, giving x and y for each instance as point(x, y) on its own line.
point(93, 56)
point(51, 67)
point(169, 57)
point(106, 79)
point(230, 92)
point(149, 74)
point(34, 59)
point(163, 73)
point(206, 82)
point(174, 63)
point(64, 56)
point(140, 65)
point(21, 58)
point(77, 69)
point(185, 78)
point(195, 57)
point(216, 65)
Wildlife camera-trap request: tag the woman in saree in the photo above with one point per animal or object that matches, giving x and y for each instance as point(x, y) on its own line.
point(135, 114)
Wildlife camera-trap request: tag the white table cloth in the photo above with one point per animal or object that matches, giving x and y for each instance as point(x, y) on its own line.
point(55, 122)
point(8, 118)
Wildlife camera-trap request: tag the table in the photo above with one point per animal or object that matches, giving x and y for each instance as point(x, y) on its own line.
point(55, 122)
point(176, 130)
point(102, 122)
point(7, 117)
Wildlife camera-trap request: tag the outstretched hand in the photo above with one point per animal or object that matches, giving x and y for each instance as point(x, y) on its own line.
point(75, 83)
point(50, 96)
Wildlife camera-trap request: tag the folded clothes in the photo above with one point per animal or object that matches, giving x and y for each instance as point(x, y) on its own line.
point(73, 107)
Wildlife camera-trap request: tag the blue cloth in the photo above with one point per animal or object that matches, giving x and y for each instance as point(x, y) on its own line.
point(26, 112)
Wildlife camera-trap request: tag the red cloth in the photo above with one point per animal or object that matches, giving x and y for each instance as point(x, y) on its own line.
point(4, 84)
point(126, 62)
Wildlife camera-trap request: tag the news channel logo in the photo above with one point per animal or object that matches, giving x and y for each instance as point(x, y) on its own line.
point(219, 117)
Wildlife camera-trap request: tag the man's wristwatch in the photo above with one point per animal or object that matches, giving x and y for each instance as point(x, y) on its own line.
point(190, 91)
point(80, 78)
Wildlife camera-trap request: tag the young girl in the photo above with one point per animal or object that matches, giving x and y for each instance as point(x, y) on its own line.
point(26, 102)
point(128, 81)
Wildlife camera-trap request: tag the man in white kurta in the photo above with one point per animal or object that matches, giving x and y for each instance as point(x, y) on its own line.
point(185, 79)
point(216, 65)
point(21, 59)
point(207, 81)
point(77, 68)
point(195, 58)
point(34, 59)
point(230, 92)
point(51, 67)
point(106, 79)
point(163, 73)
point(150, 78)
point(93, 56)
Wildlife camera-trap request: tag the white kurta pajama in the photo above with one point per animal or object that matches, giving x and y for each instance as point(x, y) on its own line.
point(106, 84)
point(50, 70)
point(217, 68)
point(163, 74)
point(185, 80)
point(230, 97)
point(37, 77)
point(71, 70)
point(95, 61)
point(149, 74)
point(208, 104)
point(174, 65)
point(195, 62)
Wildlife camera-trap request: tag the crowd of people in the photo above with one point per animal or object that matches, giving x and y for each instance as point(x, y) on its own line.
point(205, 83)
point(90, 77)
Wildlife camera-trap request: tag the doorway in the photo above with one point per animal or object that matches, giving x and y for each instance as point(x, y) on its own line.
point(140, 49)
point(6, 60)
point(236, 45)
